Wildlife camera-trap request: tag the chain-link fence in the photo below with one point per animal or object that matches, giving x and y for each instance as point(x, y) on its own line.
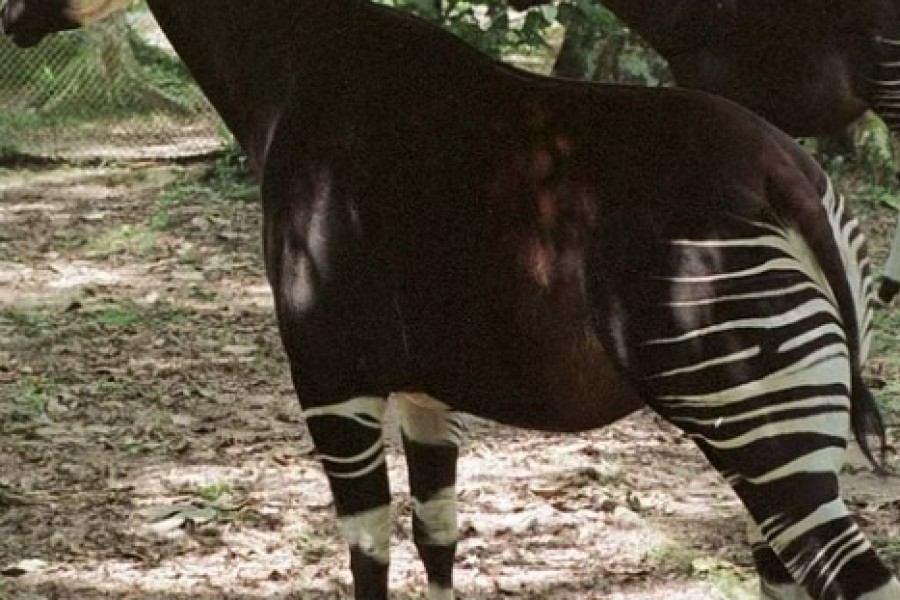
point(113, 90)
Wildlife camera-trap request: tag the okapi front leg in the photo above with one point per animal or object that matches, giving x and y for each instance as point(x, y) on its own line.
point(350, 441)
point(431, 439)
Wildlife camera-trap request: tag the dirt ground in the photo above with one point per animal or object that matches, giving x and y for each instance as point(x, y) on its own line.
point(151, 447)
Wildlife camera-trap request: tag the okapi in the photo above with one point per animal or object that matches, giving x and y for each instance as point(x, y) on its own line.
point(811, 67)
point(467, 238)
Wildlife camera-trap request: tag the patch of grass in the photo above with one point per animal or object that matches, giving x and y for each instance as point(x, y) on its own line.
point(889, 548)
point(230, 176)
point(200, 293)
point(674, 557)
point(885, 360)
point(172, 316)
point(884, 196)
point(30, 324)
point(30, 397)
point(729, 580)
point(136, 448)
point(312, 548)
point(116, 316)
point(125, 238)
point(213, 492)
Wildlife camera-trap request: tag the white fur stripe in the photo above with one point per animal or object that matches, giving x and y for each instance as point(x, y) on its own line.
point(438, 516)
point(825, 513)
point(806, 285)
point(427, 421)
point(849, 240)
point(365, 410)
point(823, 366)
point(714, 362)
point(435, 592)
point(817, 305)
point(370, 531)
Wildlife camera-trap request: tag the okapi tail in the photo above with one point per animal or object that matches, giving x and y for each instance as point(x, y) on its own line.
point(866, 422)
point(857, 310)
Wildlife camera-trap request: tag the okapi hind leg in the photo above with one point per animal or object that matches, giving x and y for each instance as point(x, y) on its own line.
point(775, 583)
point(349, 439)
point(736, 340)
point(432, 435)
point(783, 466)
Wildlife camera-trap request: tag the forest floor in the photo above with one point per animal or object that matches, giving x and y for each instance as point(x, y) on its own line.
point(151, 446)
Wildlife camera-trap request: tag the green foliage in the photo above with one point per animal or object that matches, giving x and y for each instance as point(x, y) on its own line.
point(105, 70)
point(31, 396)
point(488, 26)
point(599, 47)
point(116, 317)
point(230, 175)
point(596, 46)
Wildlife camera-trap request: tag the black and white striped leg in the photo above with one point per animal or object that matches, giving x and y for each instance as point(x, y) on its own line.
point(350, 442)
point(784, 468)
point(775, 583)
point(737, 341)
point(431, 438)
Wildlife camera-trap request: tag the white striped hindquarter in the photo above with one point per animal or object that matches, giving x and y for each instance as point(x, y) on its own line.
point(744, 348)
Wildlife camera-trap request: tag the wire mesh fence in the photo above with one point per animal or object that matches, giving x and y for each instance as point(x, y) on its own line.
point(115, 90)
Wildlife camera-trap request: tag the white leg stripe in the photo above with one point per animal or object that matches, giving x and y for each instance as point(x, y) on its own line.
point(438, 516)
point(367, 411)
point(827, 512)
point(826, 460)
point(439, 593)
point(427, 421)
point(362, 471)
point(370, 531)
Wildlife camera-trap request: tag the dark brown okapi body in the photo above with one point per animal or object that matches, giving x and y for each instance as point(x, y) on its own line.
point(544, 253)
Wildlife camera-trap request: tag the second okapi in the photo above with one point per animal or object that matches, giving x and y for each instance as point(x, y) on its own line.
point(811, 67)
point(544, 253)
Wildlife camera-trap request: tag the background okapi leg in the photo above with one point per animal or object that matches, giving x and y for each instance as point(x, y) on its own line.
point(432, 435)
point(350, 442)
point(890, 284)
